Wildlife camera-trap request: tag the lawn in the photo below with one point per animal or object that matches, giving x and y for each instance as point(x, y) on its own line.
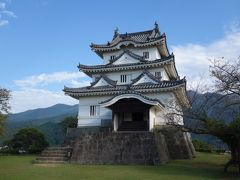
point(204, 166)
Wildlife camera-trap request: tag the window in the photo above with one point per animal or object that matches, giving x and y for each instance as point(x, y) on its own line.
point(146, 55)
point(112, 57)
point(93, 110)
point(158, 74)
point(123, 78)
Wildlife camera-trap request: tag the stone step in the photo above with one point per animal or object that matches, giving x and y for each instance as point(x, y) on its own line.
point(53, 155)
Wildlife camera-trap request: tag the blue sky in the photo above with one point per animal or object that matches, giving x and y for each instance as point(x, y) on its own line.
point(42, 41)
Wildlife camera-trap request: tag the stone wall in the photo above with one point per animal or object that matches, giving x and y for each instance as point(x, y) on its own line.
point(146, 148)
point(179, 144)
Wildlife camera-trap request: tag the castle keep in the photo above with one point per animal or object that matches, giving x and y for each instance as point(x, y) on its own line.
point(122, 114)
point(133, 86)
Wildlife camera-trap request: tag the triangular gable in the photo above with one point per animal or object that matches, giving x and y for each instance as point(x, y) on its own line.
point(101, 82)
point(145, 78)
point(125, 59)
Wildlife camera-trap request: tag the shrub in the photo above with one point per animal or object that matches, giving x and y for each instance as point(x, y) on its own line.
point(27, 140)
point(69, 122)
point(201, 146)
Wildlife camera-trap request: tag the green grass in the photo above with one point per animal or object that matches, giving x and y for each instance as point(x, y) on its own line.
point(204, 166)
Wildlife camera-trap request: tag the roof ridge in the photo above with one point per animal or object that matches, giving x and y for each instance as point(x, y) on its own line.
point(163, 84)
point(139, 32)
point(110, 45)
point(111, 65)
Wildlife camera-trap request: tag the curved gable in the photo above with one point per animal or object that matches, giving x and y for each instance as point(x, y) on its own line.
point(134, 95)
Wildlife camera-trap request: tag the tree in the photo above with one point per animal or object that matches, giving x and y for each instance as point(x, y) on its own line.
point(29, 140)
point(69, 122)
point(4, 106)
point(227, 76)
point(202, 146)
point(227, 81)
point(227, 91)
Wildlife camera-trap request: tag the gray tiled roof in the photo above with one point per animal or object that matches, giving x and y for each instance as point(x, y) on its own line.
point(89, 89)
point(136, 37)
point(162, 60)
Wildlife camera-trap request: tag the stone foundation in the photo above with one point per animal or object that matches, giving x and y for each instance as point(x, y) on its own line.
point(145, 148)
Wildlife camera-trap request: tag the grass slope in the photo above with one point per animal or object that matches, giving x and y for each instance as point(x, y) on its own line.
point(205, 166)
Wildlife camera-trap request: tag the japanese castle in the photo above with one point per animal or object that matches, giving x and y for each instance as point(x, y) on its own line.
point(133, 86)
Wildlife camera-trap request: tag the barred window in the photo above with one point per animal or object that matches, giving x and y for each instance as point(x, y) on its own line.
point(146, 55)
point(123, 78)
point(93, 110)
point(158, 74)
point(112, 57)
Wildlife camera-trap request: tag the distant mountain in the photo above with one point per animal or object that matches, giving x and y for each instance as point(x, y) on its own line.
point(41, 113)
point(44, 119)
point(218, 111)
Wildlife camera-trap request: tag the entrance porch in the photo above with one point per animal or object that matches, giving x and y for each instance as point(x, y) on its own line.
point(133, 112)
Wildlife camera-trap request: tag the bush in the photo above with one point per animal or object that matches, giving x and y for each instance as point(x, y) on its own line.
point(27, 140)
point(69, 122)
point(201, 146)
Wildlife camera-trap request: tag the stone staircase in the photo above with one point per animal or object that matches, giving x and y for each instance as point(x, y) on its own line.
point(133, 126)
point(54, 155)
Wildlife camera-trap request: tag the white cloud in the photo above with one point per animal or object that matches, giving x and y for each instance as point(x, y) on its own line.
point(192, 60)
point(9, 13)
point(3, 22)
point(234, 26)
point(76, 83)
point(2, 6)
point(46, 79)
point(5, 14)
point(26, 99)
point(34, 90)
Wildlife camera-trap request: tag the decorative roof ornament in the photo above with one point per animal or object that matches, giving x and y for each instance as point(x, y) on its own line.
point(116, 33)
point(156, 26)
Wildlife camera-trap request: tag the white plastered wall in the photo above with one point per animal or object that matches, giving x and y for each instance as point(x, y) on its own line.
point(84, 118)
point(134, 74)
point(156, 116)
point(153, 53)
point(170, 102)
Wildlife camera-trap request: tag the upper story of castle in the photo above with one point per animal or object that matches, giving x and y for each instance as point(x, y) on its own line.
point(126, 48)
point(130, 54)
point(138, 62)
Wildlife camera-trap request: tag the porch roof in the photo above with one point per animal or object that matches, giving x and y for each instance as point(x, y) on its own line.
point(134, 95)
